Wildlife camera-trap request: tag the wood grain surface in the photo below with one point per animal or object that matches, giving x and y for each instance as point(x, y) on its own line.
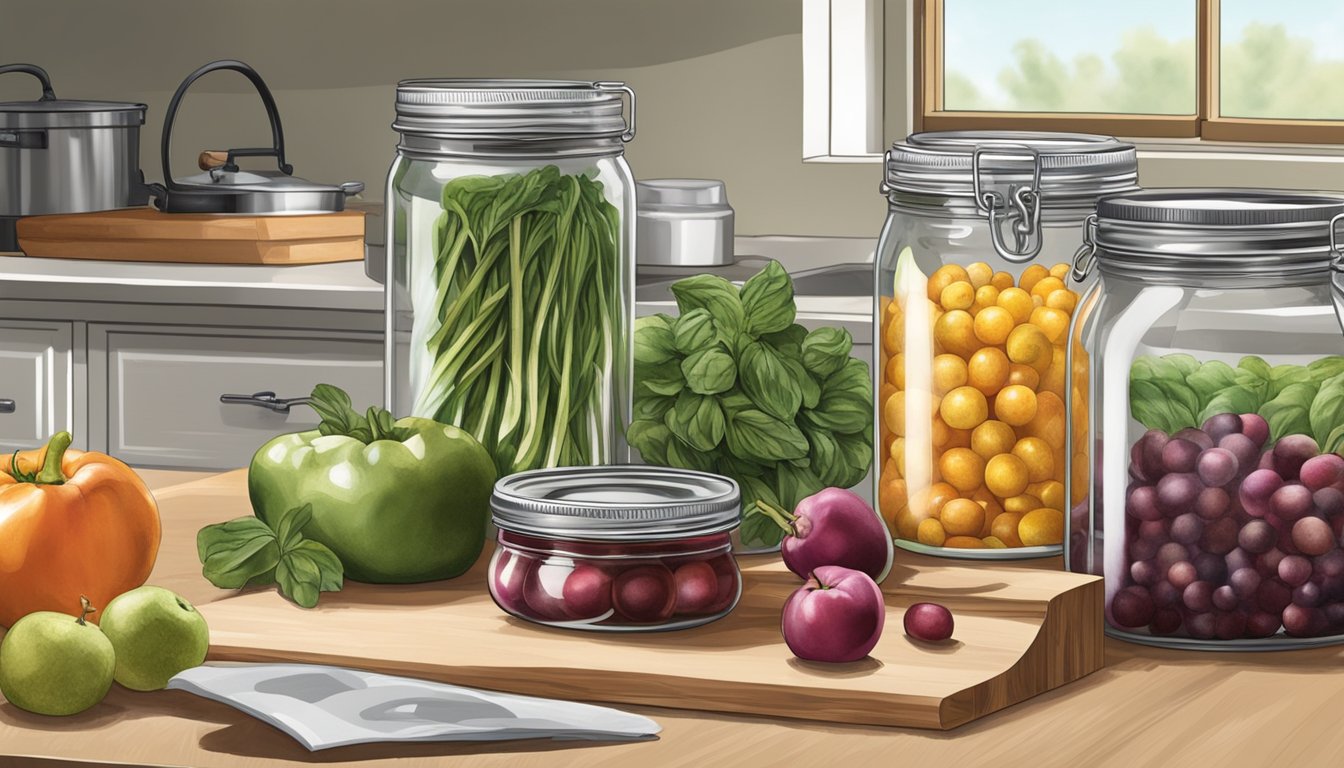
point(1146, 707)
point(145, 234)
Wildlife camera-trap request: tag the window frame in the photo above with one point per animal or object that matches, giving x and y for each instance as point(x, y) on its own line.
point(1207, 124)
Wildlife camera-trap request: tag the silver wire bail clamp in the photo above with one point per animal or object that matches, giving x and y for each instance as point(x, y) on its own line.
point(1021, 207)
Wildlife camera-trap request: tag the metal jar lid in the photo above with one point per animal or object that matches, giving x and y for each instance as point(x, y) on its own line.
point(51, 112)
point(1010, 176)
point(1170, 235)
point(514, 109)
point(616, 503)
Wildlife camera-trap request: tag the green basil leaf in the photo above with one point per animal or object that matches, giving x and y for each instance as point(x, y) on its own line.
point(793, 484)
point(686, 457)
point(736, 466)
point(809, 386)
point(1280, 376)
point(650, 438)
point(769, 383)
point(1211, 378)
point(307, 570)
point(1289, 412)
point(654, 346)
point(825, 350)
point(235, 553)
point(694, 331)
point(827, 461)
point(788, 342)
point(697, 421)
point(1253, 373)
point(651, 406)
point(1327, 410)
point(1326, 367)
point(756, 435)
point(846, 403)
point(666, 379)
point(718, 296)
point(290, 524)
point(1238, 399)
point(857, 458)
point(757, 530)
point(1334, 442)
point(767, 300)
point(735, 400)
point(660, 320)
point(709, 371)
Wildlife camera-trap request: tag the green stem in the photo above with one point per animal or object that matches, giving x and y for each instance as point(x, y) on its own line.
point(782, 519)
point(51, 474)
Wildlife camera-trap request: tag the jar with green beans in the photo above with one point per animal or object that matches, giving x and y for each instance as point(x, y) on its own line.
point(510, 212)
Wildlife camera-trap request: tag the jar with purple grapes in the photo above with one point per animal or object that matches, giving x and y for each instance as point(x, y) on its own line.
point(1214, 498)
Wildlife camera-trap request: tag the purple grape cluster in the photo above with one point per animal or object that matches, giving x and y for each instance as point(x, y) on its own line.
point(1227, 537)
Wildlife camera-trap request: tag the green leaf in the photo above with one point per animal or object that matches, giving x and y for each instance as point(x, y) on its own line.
point(334, 407)
point(827, 461)
point(290, 524)
point(709, 371)
point(654, 345)
point(857, 452)
point(718, 296)
point(665, 379)
point(807, 384)
point(788, 342)
point(697, 421)
point(769, 383)
point(1211, 378)
point(846, 403)
point(793, 484)
point(1280, 376)
point(306, 570)
point(651, 439)
point(734, 401)
point(695, 331)
point(650, 406)
point(1253, 373)
point(756, 435)
point(767, 300)
point(825, 350)
point(1326, 367)
point(235, 553)
point(1238, 399)
point(1159, 395)
point(1327, 411)
point(1289, 412)
point(757, 530)
point(1334, 442)
point(681, 455)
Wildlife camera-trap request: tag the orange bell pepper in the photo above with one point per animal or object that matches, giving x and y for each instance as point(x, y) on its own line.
point(77, 523)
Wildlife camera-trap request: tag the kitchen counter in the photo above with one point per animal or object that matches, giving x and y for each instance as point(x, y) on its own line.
point(1147, 707)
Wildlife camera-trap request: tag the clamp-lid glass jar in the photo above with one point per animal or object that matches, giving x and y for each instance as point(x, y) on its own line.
point(510, 215)
point(972, 318)
point(622, 548)
point(1215, 502)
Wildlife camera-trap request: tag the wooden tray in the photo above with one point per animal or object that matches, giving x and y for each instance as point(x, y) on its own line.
point(145, 234)
point(1019, 632)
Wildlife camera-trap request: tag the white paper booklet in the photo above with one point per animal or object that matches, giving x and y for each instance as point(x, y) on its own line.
point(324, 707)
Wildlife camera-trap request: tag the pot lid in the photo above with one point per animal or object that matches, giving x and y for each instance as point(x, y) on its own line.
point(51, 112)
point(513, 109)
point(616, 503)
point(1214, 233)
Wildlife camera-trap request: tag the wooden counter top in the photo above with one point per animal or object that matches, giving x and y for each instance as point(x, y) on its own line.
point(1147, 707)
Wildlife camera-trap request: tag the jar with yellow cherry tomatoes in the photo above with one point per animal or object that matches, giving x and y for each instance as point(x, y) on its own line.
point(973, 311)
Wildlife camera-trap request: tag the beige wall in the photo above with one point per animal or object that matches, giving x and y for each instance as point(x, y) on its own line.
point(718, 82)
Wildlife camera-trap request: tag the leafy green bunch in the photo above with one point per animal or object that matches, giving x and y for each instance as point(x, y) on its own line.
point(1176, 391)
point(734, 386)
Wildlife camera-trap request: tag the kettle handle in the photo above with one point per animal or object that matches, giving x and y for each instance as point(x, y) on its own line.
point(277, 133)
point(32, 69)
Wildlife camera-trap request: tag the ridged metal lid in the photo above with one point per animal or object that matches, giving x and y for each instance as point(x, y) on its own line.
point(1072, 166)
point(1216, 232)
point(68, 113)
point(616, 503)
point(514, 109)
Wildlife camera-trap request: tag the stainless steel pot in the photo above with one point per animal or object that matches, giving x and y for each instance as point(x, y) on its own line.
point(66, 156)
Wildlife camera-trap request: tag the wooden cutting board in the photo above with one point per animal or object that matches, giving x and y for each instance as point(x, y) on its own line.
point(146, 234)
point(1019, 632)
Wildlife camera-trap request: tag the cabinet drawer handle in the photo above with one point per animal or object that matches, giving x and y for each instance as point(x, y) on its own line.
point(6, 406)
point(266, 400)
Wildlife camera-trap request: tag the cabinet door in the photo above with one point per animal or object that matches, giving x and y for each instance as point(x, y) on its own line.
point(36, 374)
point(155, 392)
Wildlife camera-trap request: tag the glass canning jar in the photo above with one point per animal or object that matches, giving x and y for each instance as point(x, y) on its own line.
point(972, 318)
point(1215, 499)
point(621, 548)
point(510, 215)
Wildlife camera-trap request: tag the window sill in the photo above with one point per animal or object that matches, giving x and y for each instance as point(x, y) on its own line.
point(1184, 149)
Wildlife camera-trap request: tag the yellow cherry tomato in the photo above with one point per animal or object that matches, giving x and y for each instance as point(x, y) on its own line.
point(895, 370)
point(1062, 299)
point(898, 455)
point(1028, 346)
point(1038, 458)
point(1004, 528)
point(1060, 270)
point(1052, 494)
point(958, 295)
point(992, 438)
point(893, 413)
point(1046, 285)
point(1005, 476)
point(964, 408)
point(963, 542)
point(1017, 302)
point(962, 517)
point(985, 296)
point(893, 336)
point(891, 496)
point(1021, 504)
point(1001, 280)
point(1031, 276)
point(993, 542)
point(943, 277)
point(907, 524)
point(962, 468)
point(949, 372)
point(987, 370)
point(1049, 421)
point(955, 332)
point(1015, 405)
point(980, 274)
point(1041, 527)
point(992, 325)
point(931, 533)
point(1054, 323)
point(1024, 375)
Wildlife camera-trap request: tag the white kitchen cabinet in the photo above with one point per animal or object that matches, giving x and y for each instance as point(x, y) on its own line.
point(154, 391)
point(37, 373)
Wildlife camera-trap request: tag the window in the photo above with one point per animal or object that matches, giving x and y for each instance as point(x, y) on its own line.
point(1222, 70)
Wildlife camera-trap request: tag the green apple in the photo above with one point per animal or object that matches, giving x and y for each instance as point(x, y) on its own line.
point(156, 634)
point(53, 664)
